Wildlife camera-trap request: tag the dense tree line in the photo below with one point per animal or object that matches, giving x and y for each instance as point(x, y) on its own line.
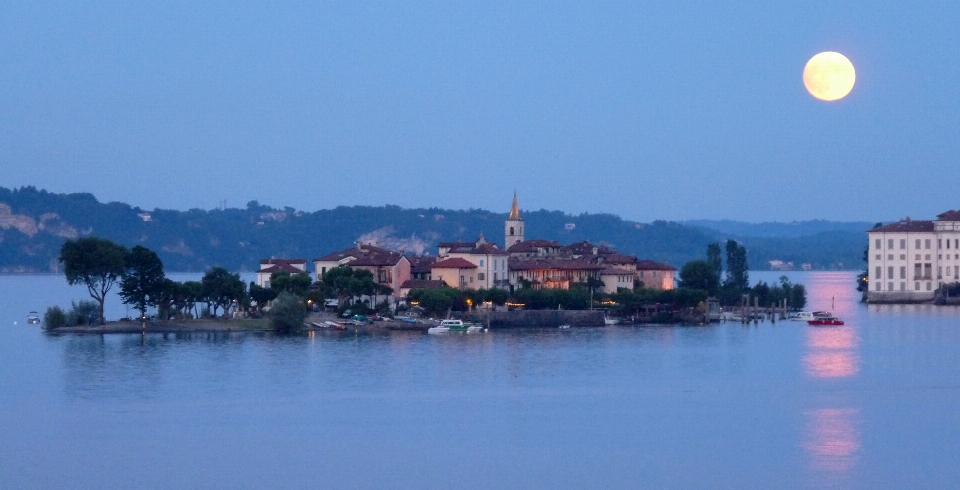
point(705, 275)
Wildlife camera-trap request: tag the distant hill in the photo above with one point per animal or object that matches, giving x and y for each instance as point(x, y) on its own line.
point(779, 230)
point(34, 223)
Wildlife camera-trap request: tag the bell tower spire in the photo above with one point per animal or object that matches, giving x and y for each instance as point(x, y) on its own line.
point(513, 227)
point(515, 209)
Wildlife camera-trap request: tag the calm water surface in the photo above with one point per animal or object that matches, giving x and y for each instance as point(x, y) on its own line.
point(873, 404)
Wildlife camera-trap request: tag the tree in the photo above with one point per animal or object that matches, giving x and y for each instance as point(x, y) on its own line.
point(262, 295)
point(296, 284)
point(497, 296)
point(97, 263)
point(287, 313)
point(699, 274)
point(143, 280)
point(714, 259)
point(220, 288)
point(737, 277)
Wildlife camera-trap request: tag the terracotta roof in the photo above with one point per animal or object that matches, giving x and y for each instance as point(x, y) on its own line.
point(283, 261)
point(611, 271)
point(365, 255)
point(558, 264)
point(616, 258)
point(905, 226)
point(650, 265)
point(422, 284)
point(949, 216)
point(421, 264)
point(586, 248)
point(281, 268)
point(454, 263)
point(532, 245)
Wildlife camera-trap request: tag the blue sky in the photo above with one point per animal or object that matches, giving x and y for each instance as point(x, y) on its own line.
point(649, 110)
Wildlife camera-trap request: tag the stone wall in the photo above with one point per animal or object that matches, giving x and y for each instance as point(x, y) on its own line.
point(536, 318)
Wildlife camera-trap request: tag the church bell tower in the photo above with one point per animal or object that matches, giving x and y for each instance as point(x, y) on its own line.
point(513, 227)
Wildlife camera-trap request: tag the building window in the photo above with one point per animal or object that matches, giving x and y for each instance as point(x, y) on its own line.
point(903, 286)
point(481, 262)
point(879, 286)
point(890, 257)
point(266, 284)
point(927, 271)
point(939, 244)
point(916, 286)
point(890, 243)
point(916, 271)
point(917, 243)
point(929, 286)
point(889, 286)
point(903, 244)
point(511, 231)
point(939, 272)
point(641, 273)
point(927, 257)
point(903, 257)
point(903, 272)
point(877, 243)
point(948, 271)
point(890, 272)
point(956, 271)
point(879, 256)
point(926, 244)
point(948, 243)
point(481, 276)
point(323, 270)
point(655, 273)
point(879, 274)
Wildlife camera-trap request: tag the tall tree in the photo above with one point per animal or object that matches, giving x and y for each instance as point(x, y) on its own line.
point(143, 280)
point(220, 288)
point(737, 276)
point(714, 258)
point(698, 274)
point(297, 284)
point(97, 263)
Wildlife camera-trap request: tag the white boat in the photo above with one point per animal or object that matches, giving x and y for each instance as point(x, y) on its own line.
point(454, 326)
point(801, 316)
point(33, 318)
point(564, 326)
point(610, 321)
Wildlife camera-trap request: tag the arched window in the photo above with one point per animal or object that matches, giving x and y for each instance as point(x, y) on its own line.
point(511, 231)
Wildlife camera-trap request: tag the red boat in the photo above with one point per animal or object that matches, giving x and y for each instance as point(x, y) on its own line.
point(826, 320)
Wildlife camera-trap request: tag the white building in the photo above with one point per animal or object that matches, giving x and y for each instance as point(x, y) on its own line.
point(269, 266)
point(910, 259)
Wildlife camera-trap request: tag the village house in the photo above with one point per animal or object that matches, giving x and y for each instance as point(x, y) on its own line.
point(490, 260)
point(411, 284)
point(909, 260)
point(655, 275)
point(455, 272)
point(270, 266)
point(388, 267)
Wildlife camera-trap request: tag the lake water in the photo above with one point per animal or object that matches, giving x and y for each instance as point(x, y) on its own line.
point(873, 404)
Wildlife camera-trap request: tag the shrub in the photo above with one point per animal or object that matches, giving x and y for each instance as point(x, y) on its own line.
point(54, 318)
point(287, 313)
point(85, 312)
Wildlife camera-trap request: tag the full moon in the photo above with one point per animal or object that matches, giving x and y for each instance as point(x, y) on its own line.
point(829, 76)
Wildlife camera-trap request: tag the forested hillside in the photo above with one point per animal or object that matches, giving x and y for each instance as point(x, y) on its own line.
point(34, 223)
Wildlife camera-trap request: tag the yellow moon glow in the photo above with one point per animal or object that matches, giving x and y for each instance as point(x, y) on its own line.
point(829, 76)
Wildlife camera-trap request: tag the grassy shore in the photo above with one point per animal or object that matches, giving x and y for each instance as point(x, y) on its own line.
point(172, 326)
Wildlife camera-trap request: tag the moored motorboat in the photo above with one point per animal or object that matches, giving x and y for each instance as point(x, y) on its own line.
point(610, 321)
point(33, 318)
point(825, 321)
point(454, 326)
